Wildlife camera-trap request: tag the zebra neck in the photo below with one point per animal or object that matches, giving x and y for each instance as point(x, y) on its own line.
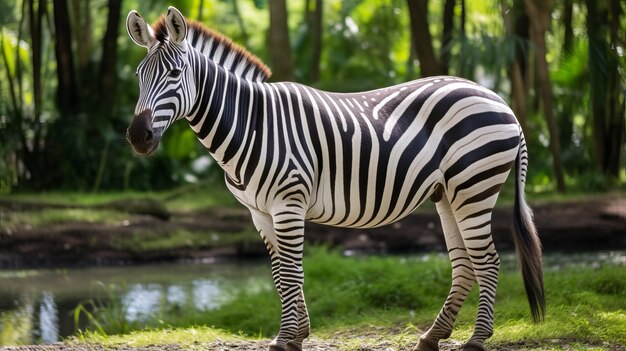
point(224, 116)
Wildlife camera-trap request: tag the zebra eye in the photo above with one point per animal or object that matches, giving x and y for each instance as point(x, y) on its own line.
point(174, 73)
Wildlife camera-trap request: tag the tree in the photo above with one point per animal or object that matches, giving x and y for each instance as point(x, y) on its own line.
point(314, 24)
point(539, 13)
point(67, 91)
point(32, 156)
point(422, 41)
point(279, 47)
point(108, 79)
point(108, 71)
point(516, 24)
point(446, 38)
point(608, 108)
point(568, 30)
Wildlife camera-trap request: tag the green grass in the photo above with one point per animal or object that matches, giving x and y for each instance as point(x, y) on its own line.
point(185, 337)
point(186, 198)
point(357, 295)
point(74, 198)
point(40, 218)
point(154, 241)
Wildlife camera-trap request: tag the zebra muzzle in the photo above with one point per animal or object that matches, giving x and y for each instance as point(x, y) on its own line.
point(141, 135)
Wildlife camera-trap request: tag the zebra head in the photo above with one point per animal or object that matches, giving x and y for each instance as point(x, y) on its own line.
point(166, 86)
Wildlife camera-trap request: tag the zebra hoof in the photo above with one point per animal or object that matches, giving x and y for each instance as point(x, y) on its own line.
point(277, 348)
point(294, 346)
point(473, 346)
point(425, 344)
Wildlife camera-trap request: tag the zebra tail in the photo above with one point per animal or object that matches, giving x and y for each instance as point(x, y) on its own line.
point(526, 239)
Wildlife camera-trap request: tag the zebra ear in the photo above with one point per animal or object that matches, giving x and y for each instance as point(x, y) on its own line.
point(139, 31)
point(176, 25)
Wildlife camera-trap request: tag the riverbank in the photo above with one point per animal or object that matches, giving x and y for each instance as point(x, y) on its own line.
point(374, 303)
point(133, 231)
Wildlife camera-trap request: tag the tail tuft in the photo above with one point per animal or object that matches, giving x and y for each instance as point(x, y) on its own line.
point(527, 241)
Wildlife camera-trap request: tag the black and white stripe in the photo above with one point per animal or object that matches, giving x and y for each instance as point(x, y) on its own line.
point(292, 153)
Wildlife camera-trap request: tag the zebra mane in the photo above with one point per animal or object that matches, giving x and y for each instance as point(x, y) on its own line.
point(220, 49)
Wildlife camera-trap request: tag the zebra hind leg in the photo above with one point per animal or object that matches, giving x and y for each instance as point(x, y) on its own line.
point(462, 280)
point(303, 326)
point(473, 217)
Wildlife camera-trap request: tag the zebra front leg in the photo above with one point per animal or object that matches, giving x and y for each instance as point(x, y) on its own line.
point(462, 281)
point(291, 277)
point(283, 234)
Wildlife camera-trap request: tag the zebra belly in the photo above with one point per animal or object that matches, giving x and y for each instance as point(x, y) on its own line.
point(365, 207)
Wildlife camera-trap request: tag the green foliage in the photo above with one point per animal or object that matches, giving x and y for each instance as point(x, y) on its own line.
point(105, 317)
point(358, 54)
point(365, 45)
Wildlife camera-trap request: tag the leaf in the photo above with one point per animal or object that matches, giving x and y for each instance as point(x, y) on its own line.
point(8, 51)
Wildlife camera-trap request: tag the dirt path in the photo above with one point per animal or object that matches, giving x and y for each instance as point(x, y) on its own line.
point(322, 345)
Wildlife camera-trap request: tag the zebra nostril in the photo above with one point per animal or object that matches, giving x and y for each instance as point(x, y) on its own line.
point(148, 136)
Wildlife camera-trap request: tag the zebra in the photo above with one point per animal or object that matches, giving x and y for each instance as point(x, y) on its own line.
point(291, 153)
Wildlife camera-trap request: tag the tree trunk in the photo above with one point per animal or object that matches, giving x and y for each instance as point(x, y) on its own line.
point(568, 34)
point(422, 40)
point(539, 12)
point(66, 89)
point(18, 62)
point(314, 19)
point(36, 19)
point(108, 79)
point(446, 39)
point(617, 97)
point(108, 71)
point(607, 101)
point(82, 32)
point(518, 86)
point(566, 108)
point(280, 49)
point(462, 20)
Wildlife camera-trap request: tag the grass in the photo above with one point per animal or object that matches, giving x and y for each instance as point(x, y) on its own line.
point(57, 216)
point(186, 198)
point(185, 337)
point(153, 241)
point(396, 298)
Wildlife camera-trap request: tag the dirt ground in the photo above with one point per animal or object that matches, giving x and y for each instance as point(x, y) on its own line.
point(593, 224)
point(315, 345)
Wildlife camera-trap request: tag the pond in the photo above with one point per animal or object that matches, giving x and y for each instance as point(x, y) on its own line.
point(37, 306)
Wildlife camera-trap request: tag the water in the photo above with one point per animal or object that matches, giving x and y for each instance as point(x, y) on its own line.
point(36, 306)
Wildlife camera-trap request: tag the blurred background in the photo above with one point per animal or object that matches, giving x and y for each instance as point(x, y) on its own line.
point(68, 87)
point(75, 202)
